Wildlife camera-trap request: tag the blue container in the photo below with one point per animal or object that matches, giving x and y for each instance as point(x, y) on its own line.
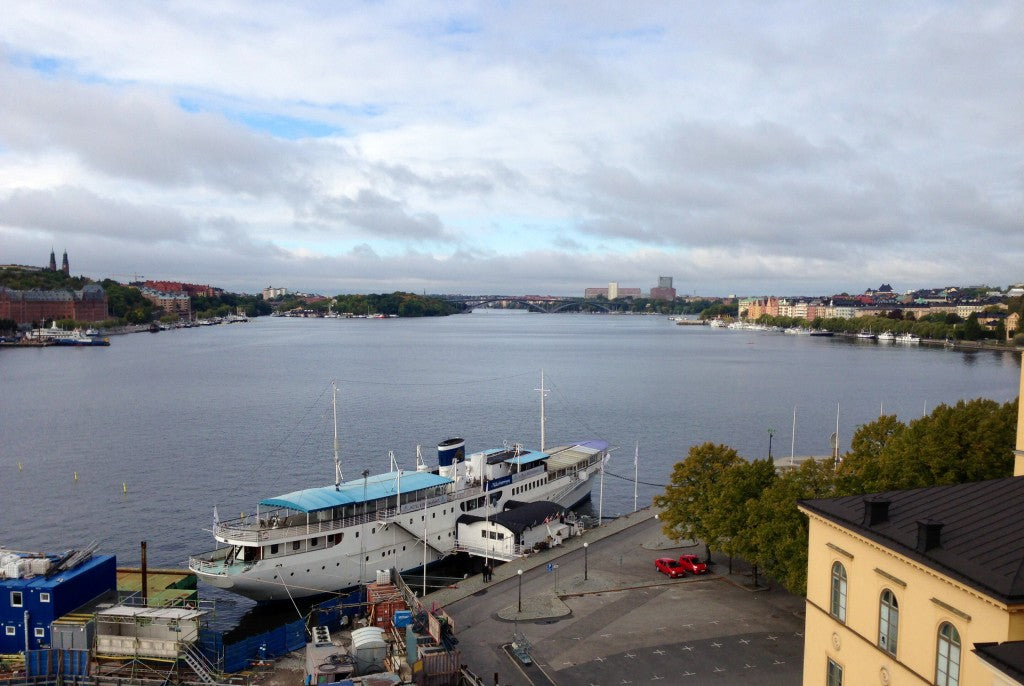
point(403, 618)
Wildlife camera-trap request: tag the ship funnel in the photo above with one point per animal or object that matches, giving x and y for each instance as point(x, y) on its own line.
point(451, 451)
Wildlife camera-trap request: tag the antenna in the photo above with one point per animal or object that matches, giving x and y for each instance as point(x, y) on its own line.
point(337, 461)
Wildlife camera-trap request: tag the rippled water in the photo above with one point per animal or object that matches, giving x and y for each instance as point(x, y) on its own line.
point(161, 427)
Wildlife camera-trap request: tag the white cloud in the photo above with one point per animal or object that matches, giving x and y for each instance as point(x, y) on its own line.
point(754, 148)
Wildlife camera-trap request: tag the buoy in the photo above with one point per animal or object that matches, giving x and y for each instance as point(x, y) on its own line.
point(76, 476)
point(19, 466)
point(124, 486)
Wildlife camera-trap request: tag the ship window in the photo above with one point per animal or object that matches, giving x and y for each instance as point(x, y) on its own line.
point(357, 534)
point(296, 545)
point(314, 541)
point(273, 549)
point(44, 597)
point(16, 600)
point(10, 631)
point(40, 632)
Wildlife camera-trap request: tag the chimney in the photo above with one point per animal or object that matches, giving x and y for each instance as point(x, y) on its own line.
point(876, 511)
point(929, 535)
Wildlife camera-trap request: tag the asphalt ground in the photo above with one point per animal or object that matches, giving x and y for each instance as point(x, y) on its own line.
point(625, 623)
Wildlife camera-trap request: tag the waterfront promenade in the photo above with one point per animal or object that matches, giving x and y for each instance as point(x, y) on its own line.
point(625, 620)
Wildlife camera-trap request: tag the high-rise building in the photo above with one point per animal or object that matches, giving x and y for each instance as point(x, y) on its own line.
point(664, 291)
point(613, 290)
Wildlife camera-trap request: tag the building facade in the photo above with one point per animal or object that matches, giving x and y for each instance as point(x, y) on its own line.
point(35, 307)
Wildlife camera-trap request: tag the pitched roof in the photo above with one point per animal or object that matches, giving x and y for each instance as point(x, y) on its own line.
point(981, 542)
point(1007, 657)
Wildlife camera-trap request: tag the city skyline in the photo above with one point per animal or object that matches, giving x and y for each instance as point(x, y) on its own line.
point(750, 148)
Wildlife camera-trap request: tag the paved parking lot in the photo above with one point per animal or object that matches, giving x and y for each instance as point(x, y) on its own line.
point(627, 623)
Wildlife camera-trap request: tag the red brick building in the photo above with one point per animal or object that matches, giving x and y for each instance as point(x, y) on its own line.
point(34, 307)
point(177, 286)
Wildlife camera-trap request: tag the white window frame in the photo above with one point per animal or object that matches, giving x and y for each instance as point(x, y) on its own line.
point(39, 632)
point(11, 631)
point(44, 597)
point(947, 656)
point(888, 622)
point(833, 673)
point(838, 592)
point(20, 599)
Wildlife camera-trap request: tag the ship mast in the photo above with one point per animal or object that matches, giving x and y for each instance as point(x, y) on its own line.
point(337, 461)
point(543, 392)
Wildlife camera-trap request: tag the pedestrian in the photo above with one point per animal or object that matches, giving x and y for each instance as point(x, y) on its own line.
point(487, 571)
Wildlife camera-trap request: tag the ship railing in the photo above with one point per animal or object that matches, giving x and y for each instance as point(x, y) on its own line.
point(491, 553)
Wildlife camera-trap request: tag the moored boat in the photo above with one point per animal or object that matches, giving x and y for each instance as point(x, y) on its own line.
point(327, 538)
point(908, 338)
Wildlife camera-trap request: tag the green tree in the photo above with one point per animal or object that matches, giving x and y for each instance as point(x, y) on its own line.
point(862, 468)
point(688, 501)
point(738, 487)
point(778, 531)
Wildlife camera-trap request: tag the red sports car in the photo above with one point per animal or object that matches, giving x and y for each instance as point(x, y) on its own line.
point(666, 565)
point(692, 564)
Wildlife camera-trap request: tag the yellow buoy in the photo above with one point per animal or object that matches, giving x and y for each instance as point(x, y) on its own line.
point(124, 486)
point(19, 466)
point(76, 476)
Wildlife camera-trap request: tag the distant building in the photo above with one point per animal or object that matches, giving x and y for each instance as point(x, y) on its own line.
point(179, 287)
point(176, 302)
point(591, 293)
point(34, 307)
point(272, 293)
point(64, 266)
point(53, 261)
point(664, 290)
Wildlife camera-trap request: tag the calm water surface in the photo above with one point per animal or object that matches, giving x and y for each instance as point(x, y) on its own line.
point(226, 415)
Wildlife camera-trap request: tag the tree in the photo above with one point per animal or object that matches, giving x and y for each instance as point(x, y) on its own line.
point(862, 468)
point(739, 486)
point(688, 501)
point(778, 531)
point(970, 441)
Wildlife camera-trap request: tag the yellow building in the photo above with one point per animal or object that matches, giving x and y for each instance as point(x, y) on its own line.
point(903, 587)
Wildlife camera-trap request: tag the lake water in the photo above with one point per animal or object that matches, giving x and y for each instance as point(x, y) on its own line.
point(161, 427)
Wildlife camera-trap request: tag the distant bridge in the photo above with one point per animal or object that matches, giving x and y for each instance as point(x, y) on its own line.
point(539, 303)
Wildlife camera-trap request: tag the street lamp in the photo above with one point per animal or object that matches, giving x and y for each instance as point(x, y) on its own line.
point(771, 432)
point(585, 546)
point(520, 573)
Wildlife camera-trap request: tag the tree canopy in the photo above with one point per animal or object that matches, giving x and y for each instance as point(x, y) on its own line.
point(747, 508)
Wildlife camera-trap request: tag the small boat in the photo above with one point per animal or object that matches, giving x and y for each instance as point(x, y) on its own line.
point(57, 336)
point(908, 338)
point(866, 336)
point(886, 337)
point(822, 332)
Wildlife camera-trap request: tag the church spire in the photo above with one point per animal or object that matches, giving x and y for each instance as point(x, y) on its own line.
point(64, 267)
point(53, 261)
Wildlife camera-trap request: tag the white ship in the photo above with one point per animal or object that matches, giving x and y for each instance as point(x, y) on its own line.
point(332, 537)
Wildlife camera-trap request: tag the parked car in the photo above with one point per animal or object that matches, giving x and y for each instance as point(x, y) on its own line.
point(670, 567)
point(692, 564)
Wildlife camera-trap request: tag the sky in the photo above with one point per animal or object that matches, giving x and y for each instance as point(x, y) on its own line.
point(750, 148)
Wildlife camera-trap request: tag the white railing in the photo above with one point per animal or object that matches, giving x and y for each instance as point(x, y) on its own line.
point(484, 551)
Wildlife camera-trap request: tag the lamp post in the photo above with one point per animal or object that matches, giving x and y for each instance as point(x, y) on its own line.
point(520, 573)
point(771, 432)
point(585, 545)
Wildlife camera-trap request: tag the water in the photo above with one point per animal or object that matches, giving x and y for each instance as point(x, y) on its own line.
point(160, 428)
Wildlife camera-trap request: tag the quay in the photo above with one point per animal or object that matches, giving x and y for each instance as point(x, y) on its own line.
point(600, 614)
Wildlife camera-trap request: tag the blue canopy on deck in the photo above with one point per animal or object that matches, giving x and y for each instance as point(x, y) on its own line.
point(356, 491)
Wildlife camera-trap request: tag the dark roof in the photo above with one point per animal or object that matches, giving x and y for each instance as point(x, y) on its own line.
point(1007, 657)
point(522, 516)
point(980, 542)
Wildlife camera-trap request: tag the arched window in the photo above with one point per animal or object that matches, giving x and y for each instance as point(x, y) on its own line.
point(838, 606)
point(888, 622)
point(947, 659)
